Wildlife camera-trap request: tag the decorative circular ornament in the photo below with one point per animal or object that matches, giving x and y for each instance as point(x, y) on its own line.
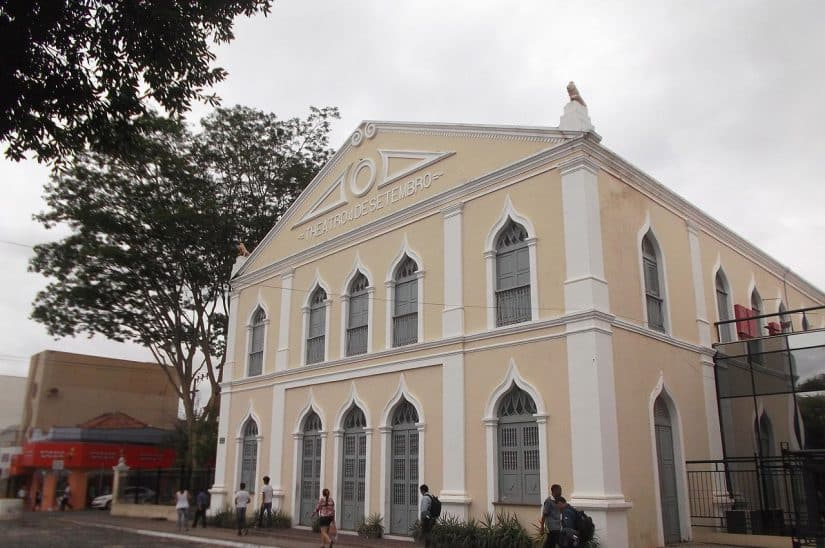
point(356, 138)
point(357, 191)
point(370, 130)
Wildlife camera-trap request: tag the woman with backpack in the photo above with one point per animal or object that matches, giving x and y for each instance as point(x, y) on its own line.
point(326, 517)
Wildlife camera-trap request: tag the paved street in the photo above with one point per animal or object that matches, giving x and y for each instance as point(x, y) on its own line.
point(100, 530)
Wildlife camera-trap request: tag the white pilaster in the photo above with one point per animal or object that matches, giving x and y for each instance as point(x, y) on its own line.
point(367, 481)
point(231, 337)
point(704, 336)
point(282, 356)
point(276, 445)
point(592, 389)
point(453, 489)
point(219, 489)
point(585, 287)
point(384, 496)
point(452, 324)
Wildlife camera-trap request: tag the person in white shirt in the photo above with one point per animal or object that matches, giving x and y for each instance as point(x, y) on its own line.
point(266, 504)
point(182, 507)
point(242, 499)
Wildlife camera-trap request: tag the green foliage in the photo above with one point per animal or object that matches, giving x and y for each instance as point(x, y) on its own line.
point(226, 518)
point(280, 520)
point(371, 527)
point(815, 383)
point(154, 237)
point(78, 73)
point(500, 531)
point(812, 409)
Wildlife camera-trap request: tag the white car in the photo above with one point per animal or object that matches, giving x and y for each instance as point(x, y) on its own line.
point(104, 502)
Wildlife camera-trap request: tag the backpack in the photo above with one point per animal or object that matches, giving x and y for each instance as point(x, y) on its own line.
point(578, 527)
point(585, 527)
point(435, 506)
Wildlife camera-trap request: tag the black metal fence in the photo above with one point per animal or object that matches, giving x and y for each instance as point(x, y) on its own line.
point(766, 496)
point(159, 486)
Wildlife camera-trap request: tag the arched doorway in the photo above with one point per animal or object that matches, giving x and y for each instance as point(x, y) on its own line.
point(666, 456)
point(310, 467)
point(353, 469)
point(404, 469)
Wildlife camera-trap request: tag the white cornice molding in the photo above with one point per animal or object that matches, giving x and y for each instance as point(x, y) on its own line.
point(426, 207)
point(549, 135)
point(632, 175)
point(595, 154)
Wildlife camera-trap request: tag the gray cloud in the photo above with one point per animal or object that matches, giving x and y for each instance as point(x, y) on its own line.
point(720, 101)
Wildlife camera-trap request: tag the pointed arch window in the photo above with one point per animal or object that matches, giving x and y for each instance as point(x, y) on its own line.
point(518, 449)
point(358, 317)
point(249, 454)
point(513, 303)
point(723, 307)
point(785, 321)
point(256, 342)
point(755, 344)
point(653, 285)
point(316, 336)
point(405, 304)
point(311, 453)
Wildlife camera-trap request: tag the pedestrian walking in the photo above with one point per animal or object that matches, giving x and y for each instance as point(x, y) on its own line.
point(66, 499)
point(266, 503)
point(38, 501)
point(242, 499)
point(326, 516)
point(182, 508)
point(201, 505)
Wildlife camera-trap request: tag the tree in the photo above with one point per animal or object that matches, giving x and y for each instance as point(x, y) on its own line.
point(78, 72)
point(155, 234)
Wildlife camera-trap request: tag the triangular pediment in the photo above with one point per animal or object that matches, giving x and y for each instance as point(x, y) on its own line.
point(386, 167)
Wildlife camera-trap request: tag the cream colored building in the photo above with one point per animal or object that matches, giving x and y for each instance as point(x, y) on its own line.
point(488, 310)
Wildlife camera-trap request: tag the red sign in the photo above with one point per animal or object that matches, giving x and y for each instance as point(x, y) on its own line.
point(41, 454)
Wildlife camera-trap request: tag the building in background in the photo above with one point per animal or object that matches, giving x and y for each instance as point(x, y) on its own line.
point(488, 310)
point(12, 391)
point(81, 414)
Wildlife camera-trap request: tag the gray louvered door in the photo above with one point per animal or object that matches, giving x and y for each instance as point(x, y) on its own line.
point(354, 480)
point(404, 508)
point(310, 477)
point(667, 474)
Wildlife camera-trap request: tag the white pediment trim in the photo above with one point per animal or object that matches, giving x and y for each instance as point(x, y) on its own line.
point(352, 399)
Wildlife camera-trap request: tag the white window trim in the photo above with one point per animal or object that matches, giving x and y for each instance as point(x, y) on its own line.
point(249, 326)
point(385, 431)
point(389, 285)
point(345, 297)
point(661, 270)
point(298, 438)
point(305, 308)
point(513, 376)
point(760, 323)
point(731, 326)
point(679, 458)
point(509, 212)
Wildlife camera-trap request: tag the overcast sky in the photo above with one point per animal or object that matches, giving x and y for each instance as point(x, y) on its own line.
point(720, 101)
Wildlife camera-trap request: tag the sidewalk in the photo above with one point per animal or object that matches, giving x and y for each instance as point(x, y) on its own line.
point(280, 538)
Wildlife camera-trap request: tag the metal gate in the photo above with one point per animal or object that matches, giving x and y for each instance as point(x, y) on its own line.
point(404, 469)
point(310, 468)
point(354, 468)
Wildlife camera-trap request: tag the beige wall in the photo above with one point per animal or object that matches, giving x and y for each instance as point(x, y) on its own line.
point(12, 395)
point(68, 389)
point(644, 362)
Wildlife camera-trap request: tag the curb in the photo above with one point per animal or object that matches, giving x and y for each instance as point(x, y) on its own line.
point(176, 536)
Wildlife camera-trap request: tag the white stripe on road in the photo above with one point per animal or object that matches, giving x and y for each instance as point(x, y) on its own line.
point(188, 538)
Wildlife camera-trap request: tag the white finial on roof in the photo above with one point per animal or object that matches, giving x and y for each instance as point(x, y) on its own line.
point(575, 117)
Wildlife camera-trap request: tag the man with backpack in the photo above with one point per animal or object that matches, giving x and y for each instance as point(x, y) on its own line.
point(430, 510)
point(551, 514)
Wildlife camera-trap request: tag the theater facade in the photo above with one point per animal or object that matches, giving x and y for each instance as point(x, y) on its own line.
point(488, 310)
